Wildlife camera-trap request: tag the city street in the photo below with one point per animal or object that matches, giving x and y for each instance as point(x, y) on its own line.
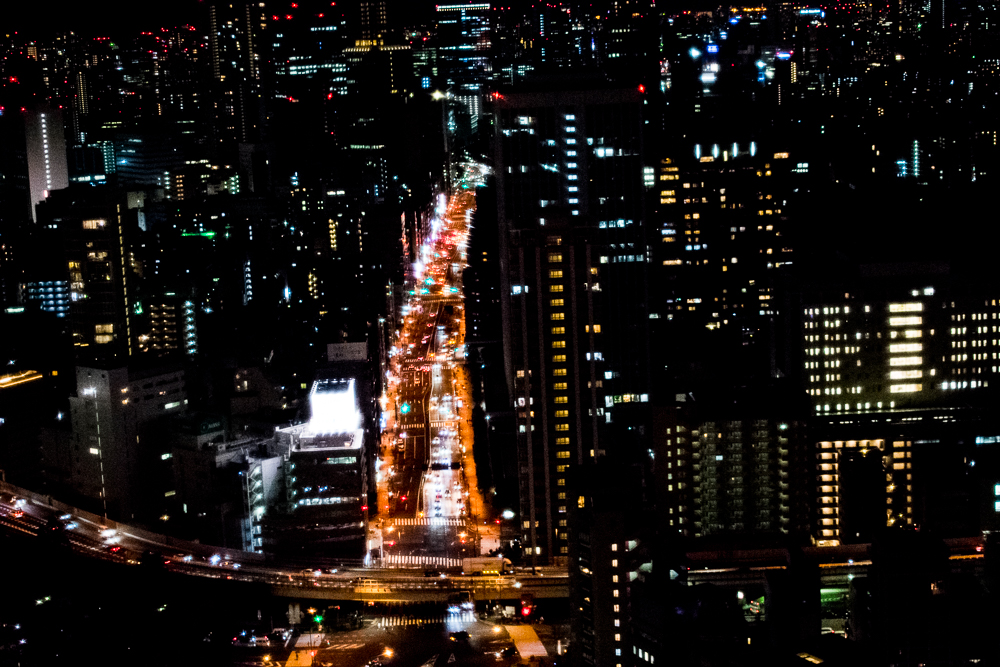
point(427, 474)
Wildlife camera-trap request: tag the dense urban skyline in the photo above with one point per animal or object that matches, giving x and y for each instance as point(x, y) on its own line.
point(672, 324)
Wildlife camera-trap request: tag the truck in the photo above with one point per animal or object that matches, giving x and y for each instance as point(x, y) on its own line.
point(486, 565)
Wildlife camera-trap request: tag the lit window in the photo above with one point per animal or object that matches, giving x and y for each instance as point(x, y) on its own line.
point(559, 358)
point(558, 343)
point(558, 331)
point(905, 361)
point(905, 347)
point(562, 399)
point(562, 455)
point(555, 274)
point(904, 388)
point(562, 414)
point(559, 303)
point(906, 307)
point(912, 321)
point(558, 372)
point(562, 441)
point(94, 224)
point(555, 257)
point(559, 386)
point(555, 288)
point(562, 427)
point(557, 316)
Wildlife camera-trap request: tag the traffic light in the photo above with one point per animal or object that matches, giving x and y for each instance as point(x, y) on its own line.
point(317, 618)
point(405, 408)
point(527, 604)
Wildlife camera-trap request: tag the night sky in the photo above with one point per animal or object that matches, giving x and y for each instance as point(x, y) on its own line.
point(116, 16)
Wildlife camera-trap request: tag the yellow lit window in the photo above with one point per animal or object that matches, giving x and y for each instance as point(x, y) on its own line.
point(911, 321)
point(905, 361)
point(905, 347)
point(94, 224)
point(562, 441)
point(562, 469)
point(101, 340)
point(562, 399)
point(558, 303)
point(560, 482)
point(555, 257)
point(558, 343)
point(104, 328)
point(906, 375)
point(558, 372)
point(559, 358)
point(562, 427)
point(555, 288)
point(562, 455)
point(559, 331)
point(555, 273)
point(557, 316)
point(906, 307)
point(904, 388)
point(559, 386)
point(562, 414)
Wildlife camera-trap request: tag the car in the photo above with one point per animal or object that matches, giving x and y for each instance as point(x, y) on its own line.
point(261, 639)
point(17, 513)
point(459, 636)
point(311, 573)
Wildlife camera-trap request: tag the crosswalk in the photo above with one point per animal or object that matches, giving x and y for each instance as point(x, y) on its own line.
point(346, 647)
point(438, 561)
point(429, 521)
point(399, 620)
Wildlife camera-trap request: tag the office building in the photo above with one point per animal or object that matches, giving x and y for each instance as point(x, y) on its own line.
point(885, 339)
point(464, 53)
point(96, 227)
point(573, 265)
point(326, 477)
point(46, 152)
point(110, 459)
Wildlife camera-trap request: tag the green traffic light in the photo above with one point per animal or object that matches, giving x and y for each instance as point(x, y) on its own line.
point(405, 408)
point(318, 618)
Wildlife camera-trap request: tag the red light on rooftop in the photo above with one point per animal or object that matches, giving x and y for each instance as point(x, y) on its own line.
point(329, 96)
point(288, 16)
point(642, 88)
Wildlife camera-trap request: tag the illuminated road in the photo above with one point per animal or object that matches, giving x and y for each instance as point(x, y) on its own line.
point(428, 471)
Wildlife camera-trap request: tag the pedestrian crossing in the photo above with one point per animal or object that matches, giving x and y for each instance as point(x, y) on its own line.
point(430, 521)
point(346, 647)
point(438, 561)
point(400, 621)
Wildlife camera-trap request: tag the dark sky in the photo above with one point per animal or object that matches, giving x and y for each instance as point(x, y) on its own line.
point(90, 17)
point(38, 17)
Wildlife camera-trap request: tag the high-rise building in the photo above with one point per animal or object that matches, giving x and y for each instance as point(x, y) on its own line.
point(573, 264)
point(885, 341)
point(734, 462)
point(46, 151)
point(236, 43)
point(172, 326)
point(464, 53)
point(109, 449)
point(96, 227)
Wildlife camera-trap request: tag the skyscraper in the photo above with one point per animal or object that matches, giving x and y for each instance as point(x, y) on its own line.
point(96, 227)
point(573, 290)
